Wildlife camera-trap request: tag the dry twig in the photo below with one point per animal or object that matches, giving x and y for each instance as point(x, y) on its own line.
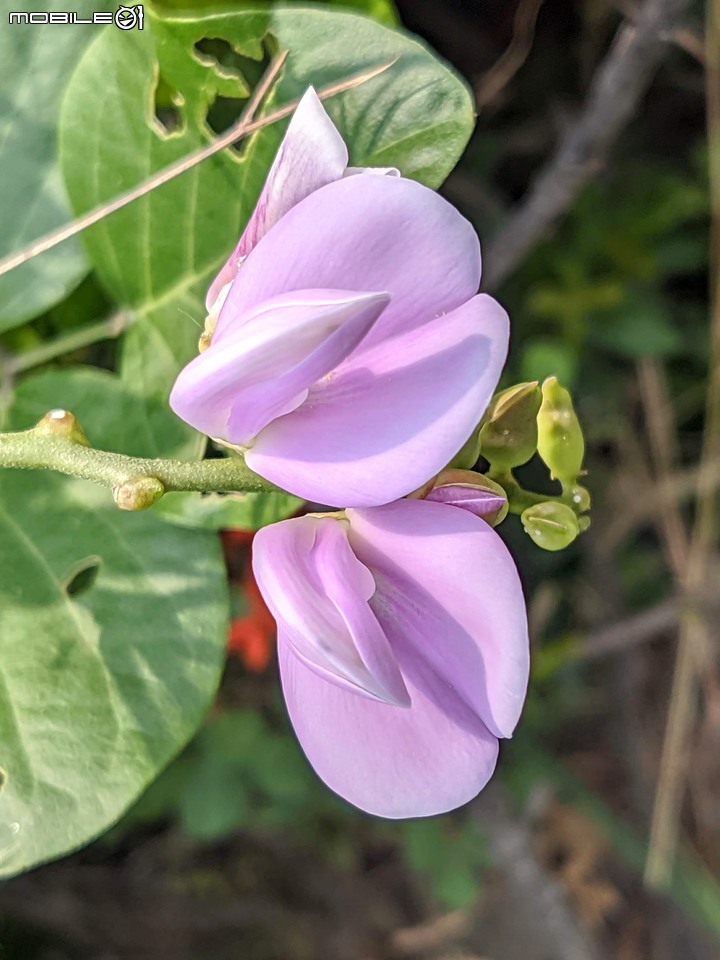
point(505, 68)
point(694, 630)
point(243, 128)
point(614, 94)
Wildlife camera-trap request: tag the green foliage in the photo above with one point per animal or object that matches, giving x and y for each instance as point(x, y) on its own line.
point(114, 627)
point(238, 773)
point(453, 857)
point(33, 201)
point(215, 511)
point(381, 10)
point(603, 282)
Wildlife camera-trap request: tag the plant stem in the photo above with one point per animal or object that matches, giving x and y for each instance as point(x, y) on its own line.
point(62, 449)
point(520, 499)
point(67, 342)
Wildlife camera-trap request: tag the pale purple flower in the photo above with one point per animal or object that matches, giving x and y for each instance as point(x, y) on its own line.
point(352, 357)
point(311, 155)
point(403, 649)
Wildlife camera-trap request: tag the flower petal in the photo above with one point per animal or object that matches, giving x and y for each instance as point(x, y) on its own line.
point(265, 366)
point(318, 592)
point(311, 155)
point(448, 590)
point(388, 761)
point(467, 497)
point(392, 415)
point(366, 233)
point(378, 171)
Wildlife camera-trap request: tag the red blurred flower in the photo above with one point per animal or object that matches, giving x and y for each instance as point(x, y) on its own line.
point(252, 634)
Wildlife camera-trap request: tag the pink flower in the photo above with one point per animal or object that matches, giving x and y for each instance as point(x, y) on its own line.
point(403, 649)
point(352, 357)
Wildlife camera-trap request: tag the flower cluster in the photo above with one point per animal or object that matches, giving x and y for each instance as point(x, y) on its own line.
point(349, 357)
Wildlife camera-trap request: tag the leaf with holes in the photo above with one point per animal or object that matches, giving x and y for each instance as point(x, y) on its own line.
point(33, 200)
point(114, 627)
point(171, 86)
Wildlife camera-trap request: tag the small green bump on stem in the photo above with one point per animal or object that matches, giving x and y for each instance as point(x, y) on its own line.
point(62, 425)
point(577, 497)
point(138, 493)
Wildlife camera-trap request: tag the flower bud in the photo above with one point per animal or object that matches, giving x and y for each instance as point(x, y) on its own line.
point(138, 493)
point(63, 425)
point(580, 498)
point(473, 492)
point(560, 439)
point(509, 434)
point(551, 525)
point(468, 455)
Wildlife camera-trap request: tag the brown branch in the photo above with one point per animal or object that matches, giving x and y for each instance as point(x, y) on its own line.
point(504, 69)
point(542, 902)
point(695, 631)
point(613, 97)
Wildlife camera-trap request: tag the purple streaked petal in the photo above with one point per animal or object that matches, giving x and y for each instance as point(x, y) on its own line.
point(390, 762)
point(448, 590)
point(392, 415)
point(318, 591)
point(311, 155)
point(366, 233)
point(467, 497)
point(264, 368)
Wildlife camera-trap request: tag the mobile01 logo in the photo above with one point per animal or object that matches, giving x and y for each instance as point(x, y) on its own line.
point(125, 18)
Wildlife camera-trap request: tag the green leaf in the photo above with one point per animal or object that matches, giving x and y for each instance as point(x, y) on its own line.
point(113, 417)
point(166, 246)
point(114, 628)
point(381, 10)
point(37, 61)
point(215, 511)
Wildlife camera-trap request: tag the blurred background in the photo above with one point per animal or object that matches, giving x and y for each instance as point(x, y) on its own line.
point(600, 836)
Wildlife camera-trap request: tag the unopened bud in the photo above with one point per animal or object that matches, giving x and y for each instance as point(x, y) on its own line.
point(473, 492)
point(468, 455)
point(138, 493)
point(509, 435)
point(580, 497)
point(560, 438)
point(550, 525)
point(62, 424)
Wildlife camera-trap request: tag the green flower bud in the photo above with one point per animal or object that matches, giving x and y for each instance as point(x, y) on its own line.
point(580, 497)
point(468, 455)
point(138, 493)
point(560, 439)
point(550, 525)
point(509, 434)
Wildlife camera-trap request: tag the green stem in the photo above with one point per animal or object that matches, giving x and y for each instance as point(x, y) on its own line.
point(520, 499)
point(57, 443)
point(68, 342)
